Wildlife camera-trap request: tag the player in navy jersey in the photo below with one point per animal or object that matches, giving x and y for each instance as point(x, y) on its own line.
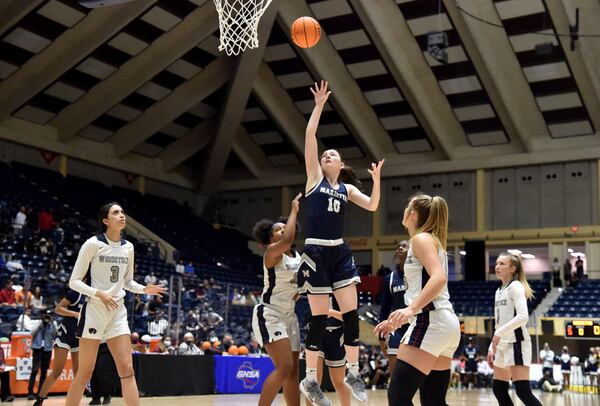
point(65, 341)
point(510, 350)
point(426, 350)
point(392, 299)
point(327, 264)
point(110, 262)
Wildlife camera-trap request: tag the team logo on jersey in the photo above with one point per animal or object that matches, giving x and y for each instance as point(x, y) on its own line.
point(409, 260)
point(92, 331)
point(277, 333)
point(248, 375)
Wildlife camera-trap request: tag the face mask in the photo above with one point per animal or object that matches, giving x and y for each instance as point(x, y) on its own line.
point(167, 343)
point(188, 342)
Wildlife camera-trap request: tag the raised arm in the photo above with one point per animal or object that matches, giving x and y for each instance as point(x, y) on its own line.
point(311, 148)
point(370, 203)
point(275, 251)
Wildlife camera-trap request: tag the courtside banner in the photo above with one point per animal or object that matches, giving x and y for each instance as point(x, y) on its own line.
point(241, 374)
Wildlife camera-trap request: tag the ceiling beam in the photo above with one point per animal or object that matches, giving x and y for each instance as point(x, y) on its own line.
point(236, 99)
point(504, 82)
point(401, 53)
point(325, 63)
point(182, 99)
point(251, 155)
point(46, 137)
point(186, 146)
point(65, 52)
point(12, 11)
point(562, 18)
point(137, 71)
point(281, 108)
point(558, 150)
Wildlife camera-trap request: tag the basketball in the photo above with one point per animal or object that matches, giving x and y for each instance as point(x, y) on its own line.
point(243, 350)
point(306, 32)
point(205, 345)
point(233, 350)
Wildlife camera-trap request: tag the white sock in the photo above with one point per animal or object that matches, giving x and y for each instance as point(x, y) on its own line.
point(311, 374)
point(353, 368)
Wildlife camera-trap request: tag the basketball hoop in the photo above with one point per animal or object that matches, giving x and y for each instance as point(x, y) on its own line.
point(238, 24)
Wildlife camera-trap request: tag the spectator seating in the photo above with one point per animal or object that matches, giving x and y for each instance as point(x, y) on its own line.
point(580, 301)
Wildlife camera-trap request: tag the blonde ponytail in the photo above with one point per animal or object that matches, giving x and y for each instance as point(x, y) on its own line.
point(433, 217)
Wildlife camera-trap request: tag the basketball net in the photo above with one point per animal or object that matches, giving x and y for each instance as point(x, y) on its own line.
point(238, 24)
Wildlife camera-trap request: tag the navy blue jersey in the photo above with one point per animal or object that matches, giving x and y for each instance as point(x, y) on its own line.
point(392, 294)
point(325, 208)
point(76, 300)
point(470, 353)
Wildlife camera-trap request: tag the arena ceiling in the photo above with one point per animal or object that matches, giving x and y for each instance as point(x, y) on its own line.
point(141, 87)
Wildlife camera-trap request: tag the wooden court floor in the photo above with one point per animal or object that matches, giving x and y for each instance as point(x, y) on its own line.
point(379, 398)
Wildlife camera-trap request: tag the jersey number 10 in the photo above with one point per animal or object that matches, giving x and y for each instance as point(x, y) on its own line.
point(334, 205)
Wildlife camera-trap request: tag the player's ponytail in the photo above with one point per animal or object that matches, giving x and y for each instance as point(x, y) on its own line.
point(432, 213)
point(515, 261)
point(348, 176)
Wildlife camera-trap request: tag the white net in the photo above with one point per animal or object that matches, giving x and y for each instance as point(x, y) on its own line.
point(238, 23)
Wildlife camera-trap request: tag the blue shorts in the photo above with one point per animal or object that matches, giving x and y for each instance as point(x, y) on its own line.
point(65, 337)
point(326, 268)
point(393, 341)
point(332, 348)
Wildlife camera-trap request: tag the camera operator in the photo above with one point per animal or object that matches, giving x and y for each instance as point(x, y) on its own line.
point(41, 345)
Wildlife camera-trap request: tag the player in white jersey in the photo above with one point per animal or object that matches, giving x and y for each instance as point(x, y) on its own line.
point(510, 350)
point(109, 259)
point(425, 355)
point(274, 321)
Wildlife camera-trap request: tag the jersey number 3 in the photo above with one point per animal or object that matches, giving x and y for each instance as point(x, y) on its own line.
point(114, 274)
point(334, 205)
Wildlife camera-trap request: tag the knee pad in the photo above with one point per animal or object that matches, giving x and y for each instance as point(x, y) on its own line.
point(351, 330)
point(523, 390)
point(500, 389)
point(316, 331)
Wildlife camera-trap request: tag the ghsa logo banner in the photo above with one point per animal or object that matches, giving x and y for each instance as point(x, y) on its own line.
point(248, 375)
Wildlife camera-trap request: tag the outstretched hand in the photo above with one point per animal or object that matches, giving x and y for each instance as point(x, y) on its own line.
point(155, 290)
point(375, 170)
point(296, 203)
point(321, 93)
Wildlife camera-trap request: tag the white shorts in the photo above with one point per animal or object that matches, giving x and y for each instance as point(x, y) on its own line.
point(99, 323)
point(270, 325)
point(511, 354)
point(436, 332)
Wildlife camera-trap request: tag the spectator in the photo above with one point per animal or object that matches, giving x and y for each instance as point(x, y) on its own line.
point(579, 269)
point(165, 346)
point(23, 297)
point(41, 345)
point(567, 271)
point(180, 268)
point(5, 395)
point(24, 322)
point(155, 305)
point(7, 294)
point(213, 318)
point(139, 307)
point(57, 237)
point(253, 347)
point(556, 273)
point(187, 347)
point(14, 265)
point(37, 300)
point(227, 341)
point(470, 353)
point(150, 279)
point(15, 283)
point(547, 359)
point(591, 366)
point(189, 269)
point(43, 247)
point(238, 297)
point(565, 367)
point(46, 222)
point(191, 323)
point(159, 325)
point(136, 344)
point(548, 384)
point(484, 373)
point(20, 221)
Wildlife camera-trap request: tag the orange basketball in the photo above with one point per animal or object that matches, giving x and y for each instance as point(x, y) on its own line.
point(306, 32)
point(233, 350)
point(243, 350)
point(205, 345)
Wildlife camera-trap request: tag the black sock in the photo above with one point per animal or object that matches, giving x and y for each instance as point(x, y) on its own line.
point(500, 389)
point(434, 388)
point(405, 382)
point(524, 393)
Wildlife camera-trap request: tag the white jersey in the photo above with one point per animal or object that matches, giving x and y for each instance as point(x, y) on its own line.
point(281, 284)
point(547, 358)
point(416, 277)
point(110, 264)
point(511, 313)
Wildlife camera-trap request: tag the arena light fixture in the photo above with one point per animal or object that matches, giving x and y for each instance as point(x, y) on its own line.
point(528, 256)
point(578, 254)
point(463, 252)
point(569, 250)
point(515, 252)
point(101, 3)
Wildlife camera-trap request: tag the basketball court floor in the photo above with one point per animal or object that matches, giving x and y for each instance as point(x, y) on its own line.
point(379, 398)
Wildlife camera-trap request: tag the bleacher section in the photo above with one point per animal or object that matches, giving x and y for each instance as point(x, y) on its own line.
point(581, 301)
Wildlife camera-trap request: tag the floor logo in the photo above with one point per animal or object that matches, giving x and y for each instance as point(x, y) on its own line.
point(248, 375)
